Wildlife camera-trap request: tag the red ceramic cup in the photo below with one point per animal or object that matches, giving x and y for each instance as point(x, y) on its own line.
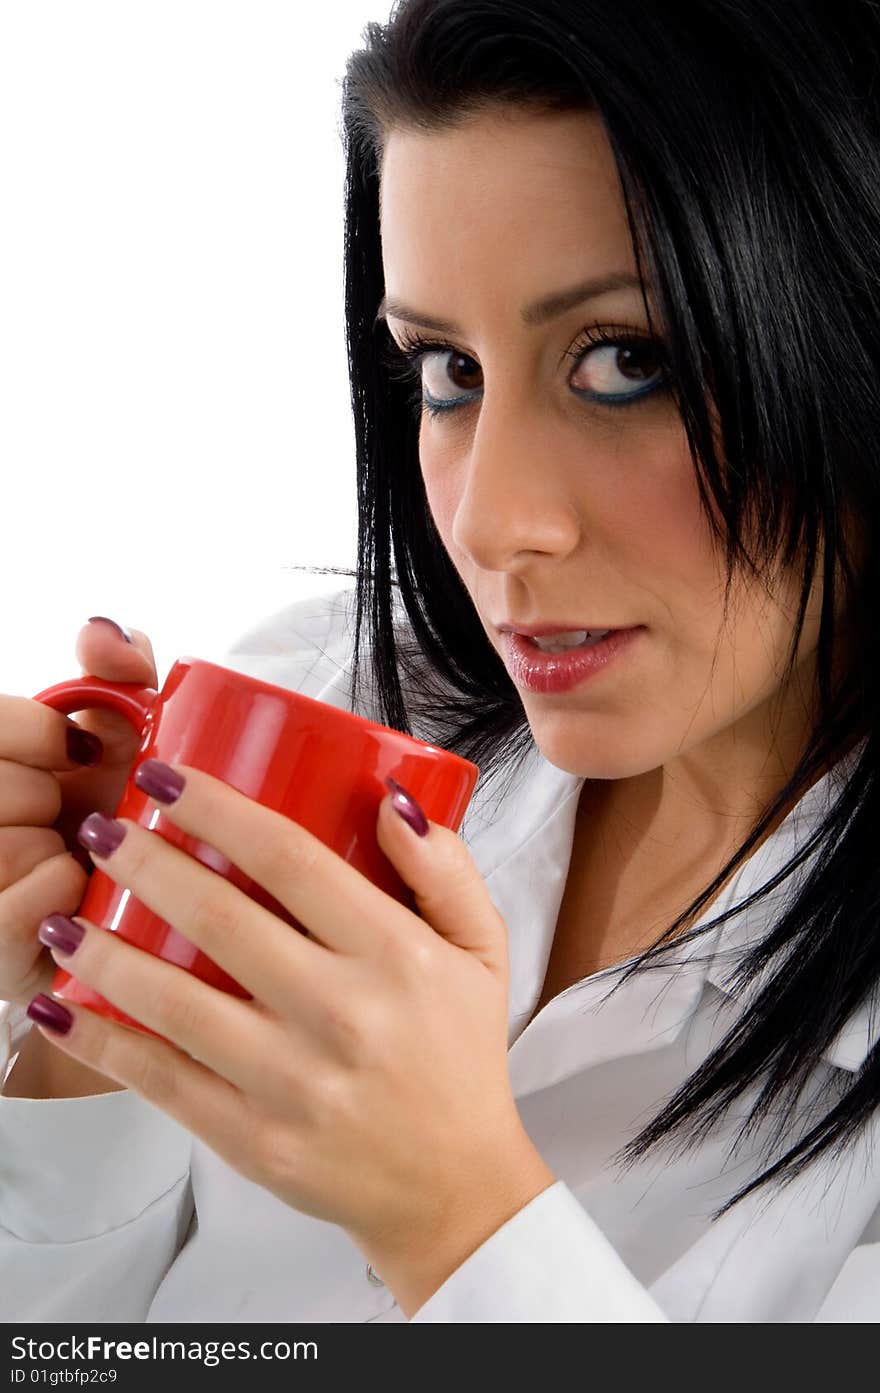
point(322, 767)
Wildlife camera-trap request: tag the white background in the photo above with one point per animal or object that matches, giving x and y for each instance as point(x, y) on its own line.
point(175, 423)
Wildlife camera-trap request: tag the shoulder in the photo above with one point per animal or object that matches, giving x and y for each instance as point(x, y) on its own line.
point(308, 647)
point(301, 646)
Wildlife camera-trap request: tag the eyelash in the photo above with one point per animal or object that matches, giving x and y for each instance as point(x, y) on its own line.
point(403, 362)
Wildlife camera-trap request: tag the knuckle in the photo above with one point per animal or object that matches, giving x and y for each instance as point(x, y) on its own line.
point(152, 1074)
point(453, 882)
point(179, 1007)
point(30, 891)
point(53, 842)
point(61, 881)
point(329, 1098)
point(214, 921)
point(144, 1070)
point(39, 794)
point(138, 852)
point(9, 869)
point(283, 857)
point(99, 965)
point(64, 865)
point(277, 1160)
point(413, 961)
point(417, 957)
point(22, 849)
point(359, 1029)
point(349, 1026)
point(29, 797)
point(286, 1080)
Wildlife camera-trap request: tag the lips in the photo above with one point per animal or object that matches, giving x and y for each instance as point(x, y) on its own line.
point(548, 630)
point(561, 669)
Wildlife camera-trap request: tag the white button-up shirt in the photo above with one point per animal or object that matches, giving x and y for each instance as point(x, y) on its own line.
point(110, 1210)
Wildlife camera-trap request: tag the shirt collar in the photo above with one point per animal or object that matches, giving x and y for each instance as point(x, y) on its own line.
point(854, 1041)
point(521, 836)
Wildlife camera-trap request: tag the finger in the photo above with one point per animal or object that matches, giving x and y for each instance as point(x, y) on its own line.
point(107, 649)
point(56, 881)
point(328, 896)
point(24, 848)
point(212, 1027)
point(450, 893)
point(266, 956)
point(102, 652)
point(28, 797)
point(191, 1093)
point(36, 737)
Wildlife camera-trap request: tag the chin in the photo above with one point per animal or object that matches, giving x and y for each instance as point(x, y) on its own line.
point(592, 758)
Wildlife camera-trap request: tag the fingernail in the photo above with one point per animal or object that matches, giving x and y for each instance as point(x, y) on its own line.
point(102, 619)
point(100, 834)
point(83, 746)
point(404, 804)
point(50, 1013)
point(61, 933)
point(159, 780)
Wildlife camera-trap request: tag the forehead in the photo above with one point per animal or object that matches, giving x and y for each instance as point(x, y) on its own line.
point(503, 193)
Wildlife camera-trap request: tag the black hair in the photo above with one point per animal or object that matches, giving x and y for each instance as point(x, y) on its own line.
point(745, 133)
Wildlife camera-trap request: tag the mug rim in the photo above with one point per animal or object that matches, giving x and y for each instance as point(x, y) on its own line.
point(339, 712)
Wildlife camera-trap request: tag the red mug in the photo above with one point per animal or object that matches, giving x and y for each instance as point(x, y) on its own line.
point(319, 765)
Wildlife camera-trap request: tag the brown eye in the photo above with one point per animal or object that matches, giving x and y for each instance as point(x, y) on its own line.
point(607, 363)
point(458, 371)
point(612, 369)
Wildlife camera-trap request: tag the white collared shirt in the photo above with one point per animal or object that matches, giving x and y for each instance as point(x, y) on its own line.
point(109, 1210)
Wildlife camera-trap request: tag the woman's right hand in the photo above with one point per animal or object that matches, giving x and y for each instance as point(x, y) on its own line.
point(44, 796)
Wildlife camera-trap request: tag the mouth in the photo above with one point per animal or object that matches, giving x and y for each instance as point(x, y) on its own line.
point(559, 638)
point(562, 642)
point(557, 663)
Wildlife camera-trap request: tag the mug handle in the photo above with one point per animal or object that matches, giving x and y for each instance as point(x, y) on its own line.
point(131, 699)
point(135, 702)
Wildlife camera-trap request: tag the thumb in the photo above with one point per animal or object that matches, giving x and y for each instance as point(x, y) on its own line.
point(105, 650)
point(450, 893)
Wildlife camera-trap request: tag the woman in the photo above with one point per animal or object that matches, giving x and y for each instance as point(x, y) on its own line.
point(613, 329)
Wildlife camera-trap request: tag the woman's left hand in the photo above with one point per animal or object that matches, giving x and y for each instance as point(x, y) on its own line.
point(366, 1083)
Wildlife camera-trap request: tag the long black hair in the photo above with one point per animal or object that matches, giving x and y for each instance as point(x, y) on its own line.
point(747, 138)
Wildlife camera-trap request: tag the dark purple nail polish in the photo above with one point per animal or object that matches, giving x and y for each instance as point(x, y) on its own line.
point(159, 780)
point(50, 1013)
point(61, 933)
point(83, 746)
point(404, 804)
point(102, 619)
point(100, 834)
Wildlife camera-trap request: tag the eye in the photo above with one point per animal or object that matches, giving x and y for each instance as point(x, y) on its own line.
point(617, 367)
point(421, 360)
point(448, 369)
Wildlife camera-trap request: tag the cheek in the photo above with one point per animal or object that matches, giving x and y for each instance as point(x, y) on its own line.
point(641, 508)
point(666, 543)
point(444, 484)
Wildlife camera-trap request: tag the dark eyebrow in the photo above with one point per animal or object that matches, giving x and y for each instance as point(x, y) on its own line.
point(532, 315)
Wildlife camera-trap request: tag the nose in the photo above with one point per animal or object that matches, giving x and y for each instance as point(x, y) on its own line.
point(517, 499)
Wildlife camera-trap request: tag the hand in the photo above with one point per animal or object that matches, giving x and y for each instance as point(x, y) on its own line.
point(52, 771)
point(366, 1083)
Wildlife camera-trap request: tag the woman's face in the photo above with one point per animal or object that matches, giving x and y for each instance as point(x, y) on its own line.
point(562, 488)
